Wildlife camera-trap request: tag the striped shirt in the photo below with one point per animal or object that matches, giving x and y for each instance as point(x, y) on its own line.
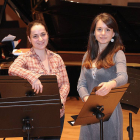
point(29, 66)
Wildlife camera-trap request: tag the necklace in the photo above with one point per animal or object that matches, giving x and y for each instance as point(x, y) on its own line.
point(94, 72)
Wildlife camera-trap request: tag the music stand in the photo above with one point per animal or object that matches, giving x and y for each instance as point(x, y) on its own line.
point(30, 116)
point(16, 84)
point(97, 108)
point(130, 100)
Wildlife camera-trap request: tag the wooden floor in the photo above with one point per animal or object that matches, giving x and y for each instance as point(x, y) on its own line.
point(73, 106)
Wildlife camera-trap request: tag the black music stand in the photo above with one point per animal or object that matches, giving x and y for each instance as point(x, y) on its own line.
point(16, 84)
point(98, 109)
point(30, 116)
point(130, 100)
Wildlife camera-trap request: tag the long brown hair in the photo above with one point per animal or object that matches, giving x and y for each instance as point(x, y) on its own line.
point(105, 60)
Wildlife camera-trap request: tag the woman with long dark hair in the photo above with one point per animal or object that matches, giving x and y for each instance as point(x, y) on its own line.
point(104, 64)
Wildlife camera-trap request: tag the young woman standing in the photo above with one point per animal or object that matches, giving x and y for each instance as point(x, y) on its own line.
point(41, 61)
point(104, 64)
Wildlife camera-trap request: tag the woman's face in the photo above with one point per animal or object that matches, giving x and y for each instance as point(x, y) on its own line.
point(102, 33)
point(38, 37)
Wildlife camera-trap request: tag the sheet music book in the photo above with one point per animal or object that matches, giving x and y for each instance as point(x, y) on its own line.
point(8, 38)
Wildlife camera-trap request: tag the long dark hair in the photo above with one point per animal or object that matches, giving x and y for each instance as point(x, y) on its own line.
point(105, 59)
point(30, 25)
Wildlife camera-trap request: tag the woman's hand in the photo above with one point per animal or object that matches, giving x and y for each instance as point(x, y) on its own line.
point(106, 87)
point(85, 98)
point(37, 86)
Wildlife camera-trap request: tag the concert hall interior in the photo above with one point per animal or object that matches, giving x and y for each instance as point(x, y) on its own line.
point(68, 25)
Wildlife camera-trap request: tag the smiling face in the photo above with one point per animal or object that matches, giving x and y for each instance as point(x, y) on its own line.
point(103, 34)
point(38, 37)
